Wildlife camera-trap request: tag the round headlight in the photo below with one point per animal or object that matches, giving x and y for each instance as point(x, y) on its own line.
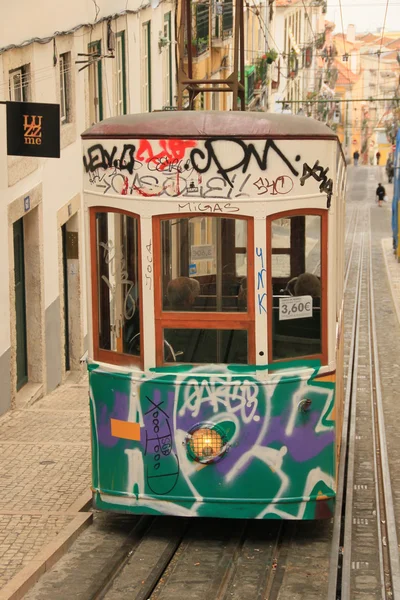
point(206, 443)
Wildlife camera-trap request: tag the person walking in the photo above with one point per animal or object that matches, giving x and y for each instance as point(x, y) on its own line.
point(390, 170)
point(356, 156)
point(380, 194)
point(378, 157)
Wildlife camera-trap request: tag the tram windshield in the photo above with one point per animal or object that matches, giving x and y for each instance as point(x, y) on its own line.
point(212, 254)
point(296, 286)
point(204, 269)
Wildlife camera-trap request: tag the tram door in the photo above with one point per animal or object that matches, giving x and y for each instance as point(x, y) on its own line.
point(20, 303)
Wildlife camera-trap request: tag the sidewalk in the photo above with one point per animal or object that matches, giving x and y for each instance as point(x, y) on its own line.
point(45, 480)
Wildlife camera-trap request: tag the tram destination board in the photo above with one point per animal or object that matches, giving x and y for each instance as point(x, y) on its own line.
point(295, 308)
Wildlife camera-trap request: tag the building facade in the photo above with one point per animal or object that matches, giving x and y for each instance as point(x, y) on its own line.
point(94, 60)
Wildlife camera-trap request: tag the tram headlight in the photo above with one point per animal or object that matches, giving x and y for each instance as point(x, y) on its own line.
point(206, 443)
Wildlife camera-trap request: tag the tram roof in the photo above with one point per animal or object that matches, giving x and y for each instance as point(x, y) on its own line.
point(205, 124)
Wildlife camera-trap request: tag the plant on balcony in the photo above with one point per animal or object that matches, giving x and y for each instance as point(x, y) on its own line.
point(271, 56)
point(199, 46)
point(261, 71)
point(320, 41)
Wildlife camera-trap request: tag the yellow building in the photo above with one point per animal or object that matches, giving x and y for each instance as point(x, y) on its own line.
point(212, 51)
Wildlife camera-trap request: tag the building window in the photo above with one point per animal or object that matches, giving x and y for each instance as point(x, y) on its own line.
point(95, 83)
point(227, 16)
point(120, 74)
point(146, 67)
point(116, 286)
point(65, 87)
point(20, 84)
point(167, 62)
point(205, 309)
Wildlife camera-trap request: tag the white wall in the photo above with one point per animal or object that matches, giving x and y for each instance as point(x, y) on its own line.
point(42, 18)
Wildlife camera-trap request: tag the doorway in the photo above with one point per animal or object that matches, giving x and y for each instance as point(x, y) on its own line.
point(67, 352)
point(20, 304)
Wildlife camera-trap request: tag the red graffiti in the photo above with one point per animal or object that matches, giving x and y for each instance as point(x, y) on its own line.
point(124, 191)
point(171, 152)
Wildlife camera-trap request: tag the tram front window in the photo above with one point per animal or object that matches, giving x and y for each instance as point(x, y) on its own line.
point(296, 286)
point(212, 253)
point(204, 270)
point(117, 283)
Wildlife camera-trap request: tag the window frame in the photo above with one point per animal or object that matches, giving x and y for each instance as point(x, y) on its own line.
point(323, 356)
point(167, 77)
point(24, 71)
point(95, 68)
point(211, 320)
point(146, 67)
point(65, 86)
point(100, 354)
point(120, 101)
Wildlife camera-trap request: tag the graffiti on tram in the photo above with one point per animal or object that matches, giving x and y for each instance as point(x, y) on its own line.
point(220, 168)
point(140, 426)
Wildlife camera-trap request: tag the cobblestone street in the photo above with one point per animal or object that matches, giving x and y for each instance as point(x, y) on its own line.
point(45, 475)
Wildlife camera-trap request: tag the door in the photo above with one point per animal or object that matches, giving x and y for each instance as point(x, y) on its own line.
point(66, 306)
point(20, 304)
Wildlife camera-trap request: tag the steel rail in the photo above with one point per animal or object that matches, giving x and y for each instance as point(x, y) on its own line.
point(340, 494)
point(348, 514)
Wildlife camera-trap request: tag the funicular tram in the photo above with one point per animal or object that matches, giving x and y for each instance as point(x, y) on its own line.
point(216, 248)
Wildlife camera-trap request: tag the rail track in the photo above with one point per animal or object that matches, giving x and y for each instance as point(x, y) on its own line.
point(364, 543)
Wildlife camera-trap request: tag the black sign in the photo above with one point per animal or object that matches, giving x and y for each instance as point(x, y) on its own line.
point(33, 129)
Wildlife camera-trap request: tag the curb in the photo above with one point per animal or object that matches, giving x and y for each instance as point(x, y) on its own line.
point(25, 579)
point(385, 246)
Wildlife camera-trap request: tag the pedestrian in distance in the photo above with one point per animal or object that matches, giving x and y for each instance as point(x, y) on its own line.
point(378, 157)
point(390, 170)
point(380, 194)
point(356, 156)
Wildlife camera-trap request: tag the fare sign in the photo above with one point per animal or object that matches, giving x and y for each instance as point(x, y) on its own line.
point(295, 307)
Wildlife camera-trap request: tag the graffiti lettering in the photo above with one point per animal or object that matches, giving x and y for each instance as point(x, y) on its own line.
point(118, 276)
point(320, 175)
point(280, 186)
point(172, 152)
point(261, 295)
point(163, 473)
point(99, 158)
point(235, 396)
point(212, 208)
point(202, 159)
point(149, 268)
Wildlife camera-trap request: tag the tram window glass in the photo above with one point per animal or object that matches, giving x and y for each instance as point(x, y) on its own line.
point(205, 346)
point(117, 283)
point(204, 264)
point(296, 272)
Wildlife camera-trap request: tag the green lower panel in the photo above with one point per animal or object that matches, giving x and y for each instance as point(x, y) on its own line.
point(277, 441)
